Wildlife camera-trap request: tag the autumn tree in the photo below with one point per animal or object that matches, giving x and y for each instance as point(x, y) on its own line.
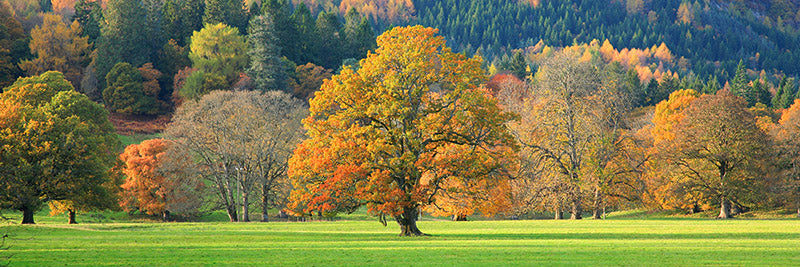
point(57, 145)
point(787, 137)
point(720, 151)
point(241, 141)
point(559, 127)
point(159, 180)
point(307, 79)
point(58, 47)
point(393, 133)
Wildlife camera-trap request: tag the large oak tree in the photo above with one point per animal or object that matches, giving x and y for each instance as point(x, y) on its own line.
point(394, 133)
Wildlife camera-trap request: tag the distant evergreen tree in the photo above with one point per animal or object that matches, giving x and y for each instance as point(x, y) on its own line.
point(285, 30)
point(306, 38)
point(89, 14)
point(229, 12)
point(181, 18)
point(266, 67)
point(329, 30)
point(740, 86)
point(123, 37)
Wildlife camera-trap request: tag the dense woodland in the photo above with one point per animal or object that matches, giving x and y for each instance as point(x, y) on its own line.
point(500, 108)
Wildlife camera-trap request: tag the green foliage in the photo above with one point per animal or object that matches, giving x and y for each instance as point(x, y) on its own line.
point(266, 68)
point(219, 50)
point(125, 92)
point(122, 37)
point(89, 15)
point(181, 18)
point(13, 45)
point(57, 145)
point(229, 12)
point(200, 83)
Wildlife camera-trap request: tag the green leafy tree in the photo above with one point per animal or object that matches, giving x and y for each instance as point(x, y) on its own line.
point(266, 68)
point(57, 145)
point(126, 94)
point(219, 51)
point(122, 37)
point(13, 45)
point(89, 15)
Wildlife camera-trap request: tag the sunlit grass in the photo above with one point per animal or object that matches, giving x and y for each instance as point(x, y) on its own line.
point(367, 242)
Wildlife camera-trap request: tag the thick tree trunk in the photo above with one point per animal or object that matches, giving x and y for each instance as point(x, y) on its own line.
point(27, 215)
point(165, 215)
point(71, 217)
point(264, 204)
point(408, 222)
point(559, 214)
point(576, 209)
point(231, 209)
point(725, 209)
point(245, 207)
point(459, 218)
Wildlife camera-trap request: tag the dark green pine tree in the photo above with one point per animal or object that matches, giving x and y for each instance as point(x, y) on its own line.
point(229, 12)
point(285, 30)
point(359, 35)
point(515, 65)
point(785, 94)
point(740, 85)
point(182, 18)
point(122, 38)
point(758, 94)
point(712, 85)
point(266, 67)
point(89, 14)
point(307, 39)
point(329, 29)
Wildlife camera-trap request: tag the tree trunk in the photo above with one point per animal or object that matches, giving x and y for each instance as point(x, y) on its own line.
point(408, 222)
point(576, 209)
point(264, 204)
point(27, 215)
point(245, 207)
point(71, 217)
point(165, 215)
point(459, 218)
point(559, 214)
point(725, 209)
point(231, 209)
point(597, 203)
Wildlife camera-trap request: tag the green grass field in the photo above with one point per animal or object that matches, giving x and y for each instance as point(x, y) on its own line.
point(667, 241)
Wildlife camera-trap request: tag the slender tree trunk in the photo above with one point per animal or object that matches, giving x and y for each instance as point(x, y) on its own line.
point(408, 222)
point(27, 215)
point(71, 217)
point(576, 209)
point(725, 209)
point(559, 214)
point(597, 203)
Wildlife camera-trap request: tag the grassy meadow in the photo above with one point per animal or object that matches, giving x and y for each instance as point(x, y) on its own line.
point(620, 240)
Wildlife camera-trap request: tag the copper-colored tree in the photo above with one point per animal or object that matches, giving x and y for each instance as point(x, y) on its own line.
point(720, 151)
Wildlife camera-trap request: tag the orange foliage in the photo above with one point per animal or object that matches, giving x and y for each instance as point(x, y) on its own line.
point(143, 186)
point(393, 133)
